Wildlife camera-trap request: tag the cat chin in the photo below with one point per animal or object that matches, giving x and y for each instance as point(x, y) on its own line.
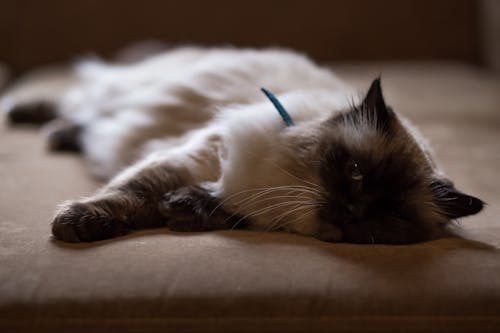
point(328, 232)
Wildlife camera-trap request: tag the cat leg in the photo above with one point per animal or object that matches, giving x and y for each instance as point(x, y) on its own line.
point(111, 213)
point(62, 134)
point(131, 200)
point(125, 205)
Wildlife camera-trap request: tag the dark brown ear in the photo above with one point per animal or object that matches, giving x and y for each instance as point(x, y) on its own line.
point(374, 98)
point(374, 108)
point(454, 203)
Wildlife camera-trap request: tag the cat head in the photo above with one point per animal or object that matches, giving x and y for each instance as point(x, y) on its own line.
point(380, 183)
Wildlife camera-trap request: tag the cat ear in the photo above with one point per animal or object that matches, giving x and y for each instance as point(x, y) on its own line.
point(454, 203)
point(374, 107)
point(374, 98)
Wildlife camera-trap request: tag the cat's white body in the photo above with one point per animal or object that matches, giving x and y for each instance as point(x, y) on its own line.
point(181, 90)
point(203, 110)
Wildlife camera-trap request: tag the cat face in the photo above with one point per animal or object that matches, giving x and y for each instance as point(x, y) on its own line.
point(380, 184)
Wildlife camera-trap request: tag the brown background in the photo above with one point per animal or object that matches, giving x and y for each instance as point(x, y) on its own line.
point(39, 32)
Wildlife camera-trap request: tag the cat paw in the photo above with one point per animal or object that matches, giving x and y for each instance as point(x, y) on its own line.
point(63, 136)
point(36, 113)
point(84, 222)
point(184, 209)
point(192, 208)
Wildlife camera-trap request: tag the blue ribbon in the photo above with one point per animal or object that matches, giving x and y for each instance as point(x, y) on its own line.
point(281, 110)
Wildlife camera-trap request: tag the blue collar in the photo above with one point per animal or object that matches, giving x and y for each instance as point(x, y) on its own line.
point(281, 110)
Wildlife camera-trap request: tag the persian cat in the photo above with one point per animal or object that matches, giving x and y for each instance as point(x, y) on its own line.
point(187, 141)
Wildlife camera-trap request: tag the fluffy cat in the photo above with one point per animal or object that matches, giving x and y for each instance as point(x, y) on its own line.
point(189, 142)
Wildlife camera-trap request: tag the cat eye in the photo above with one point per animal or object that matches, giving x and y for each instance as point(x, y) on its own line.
point(354, 171)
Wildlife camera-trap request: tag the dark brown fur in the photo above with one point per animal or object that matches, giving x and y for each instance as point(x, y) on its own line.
point(397, 200)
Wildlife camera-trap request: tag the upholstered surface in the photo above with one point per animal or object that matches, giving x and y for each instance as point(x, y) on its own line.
point(250, 281)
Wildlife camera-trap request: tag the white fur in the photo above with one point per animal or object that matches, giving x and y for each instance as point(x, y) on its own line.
point(169, 94)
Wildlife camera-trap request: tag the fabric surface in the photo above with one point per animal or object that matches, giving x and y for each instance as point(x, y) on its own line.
point(214, 281)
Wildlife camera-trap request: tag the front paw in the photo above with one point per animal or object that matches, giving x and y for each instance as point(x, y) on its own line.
point(85, 222)
point(184, 209)
point(192, 208)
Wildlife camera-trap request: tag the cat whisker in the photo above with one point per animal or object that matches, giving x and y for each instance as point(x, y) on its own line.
point(280, 217)
point(235, 195)
point(298, 218)
point(265, 210)
point(290, 189)
point(254, 199)
point(263, 191)
point(260, 200)
point(263, 196)
point(306, 200)
point(274, 206)
point(314, 185)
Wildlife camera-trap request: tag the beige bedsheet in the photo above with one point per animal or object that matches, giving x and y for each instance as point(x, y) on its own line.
point(249, 281)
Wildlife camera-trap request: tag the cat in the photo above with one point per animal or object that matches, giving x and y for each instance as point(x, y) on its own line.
point(188, 141)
